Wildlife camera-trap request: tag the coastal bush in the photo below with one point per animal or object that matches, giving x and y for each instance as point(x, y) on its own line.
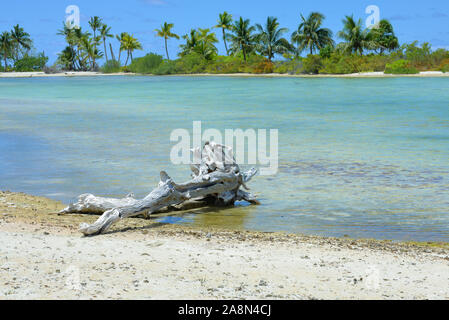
point(165, 68)
point(191, 63)
point(339, 64)
point(224, 64)
point(400, 67)
point(29, 63)
point(444, 66)
point(112, 66)
point(293, 66)
point(146, 64)
point(312, 64)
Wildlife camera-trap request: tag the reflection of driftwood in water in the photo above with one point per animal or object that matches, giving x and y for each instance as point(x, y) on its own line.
point(216, 181)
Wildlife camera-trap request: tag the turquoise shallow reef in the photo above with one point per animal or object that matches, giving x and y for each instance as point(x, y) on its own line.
point(365, 158)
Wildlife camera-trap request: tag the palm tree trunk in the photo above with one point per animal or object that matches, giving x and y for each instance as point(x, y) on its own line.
point(119, 54)
point(127, 57)
point(105, 51)
point(224, 40)
point(112, 52)
point(6, 66)
point(166, 49)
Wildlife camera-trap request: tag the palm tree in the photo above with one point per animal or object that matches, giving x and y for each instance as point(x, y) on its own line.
point(90, 51)
point(5, 46)
point(165, 32)
point(270, 39)
point(357, 39)
point(95, 23)
point(192, 40)
point(130, 44)
point(20, 40)
point(67, 32)
point(105, 32)
point(310, 34)
point(242, 38)
point(206, 44)
point(225, 23)
point(384, 37)
point(121, 40)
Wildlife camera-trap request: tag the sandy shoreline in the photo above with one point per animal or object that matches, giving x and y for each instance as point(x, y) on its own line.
point(270, 75)
point(42, 256)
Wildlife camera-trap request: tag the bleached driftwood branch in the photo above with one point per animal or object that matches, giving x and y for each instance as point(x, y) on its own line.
point(217, 179)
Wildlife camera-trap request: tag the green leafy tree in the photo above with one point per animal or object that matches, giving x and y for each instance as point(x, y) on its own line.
point(357, 38)
point(310, 35)
point(269, 39)
point(95, 23)
point(105, 32)
point(242, 37)
point(166, 33)
point(5, 47)
point(130, 44)
point(20, 41)
point(383, 36)
point(225, 23)
point(121, 39)
point(192, 40)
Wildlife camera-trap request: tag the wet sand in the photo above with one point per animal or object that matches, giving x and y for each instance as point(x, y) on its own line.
point(43, 256)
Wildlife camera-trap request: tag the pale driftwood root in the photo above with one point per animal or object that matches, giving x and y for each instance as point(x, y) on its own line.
point(217, 178)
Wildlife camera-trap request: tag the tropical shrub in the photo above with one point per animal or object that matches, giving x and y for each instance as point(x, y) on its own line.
point(112, 66)
point(444, 66)
point(312, 64)
point(31, 62)
point(293, 66)
point(225, 64)
point(191, 63)
point(165, 68)
point(400, 67)
point(146, 64)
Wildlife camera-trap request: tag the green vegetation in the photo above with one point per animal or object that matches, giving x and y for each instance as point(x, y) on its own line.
point(400, 67)
point(112, 66)
point(16, 52)
point(258, 48)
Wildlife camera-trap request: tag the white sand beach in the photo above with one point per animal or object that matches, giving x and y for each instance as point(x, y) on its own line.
point(98, 74)
point(43, 256)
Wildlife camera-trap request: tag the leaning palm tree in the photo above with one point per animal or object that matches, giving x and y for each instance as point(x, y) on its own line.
point(242, 38)
point(5, 46)
point(165, 32)
point(310, 35)
point(95, 23)
point(130, 44)
point(20, 40)
point(269, 39)
point(225, 23)
point(105, 32)
point(121, 39)
point(357, 39)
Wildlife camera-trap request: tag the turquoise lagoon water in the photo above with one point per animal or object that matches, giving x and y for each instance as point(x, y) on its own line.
point(359, 157)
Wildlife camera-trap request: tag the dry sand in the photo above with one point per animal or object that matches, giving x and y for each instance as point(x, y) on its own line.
point(42, 256)
point(270, 75)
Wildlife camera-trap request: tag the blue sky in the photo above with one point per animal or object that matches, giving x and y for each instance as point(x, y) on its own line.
point(413, 20)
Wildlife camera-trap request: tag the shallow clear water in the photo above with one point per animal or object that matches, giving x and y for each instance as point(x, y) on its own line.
point(358, 157)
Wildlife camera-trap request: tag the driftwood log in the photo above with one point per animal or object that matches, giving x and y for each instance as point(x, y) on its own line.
point(216, 179)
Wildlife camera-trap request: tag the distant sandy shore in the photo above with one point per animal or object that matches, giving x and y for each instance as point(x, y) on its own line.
point(271, 75)
point(43, 256)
